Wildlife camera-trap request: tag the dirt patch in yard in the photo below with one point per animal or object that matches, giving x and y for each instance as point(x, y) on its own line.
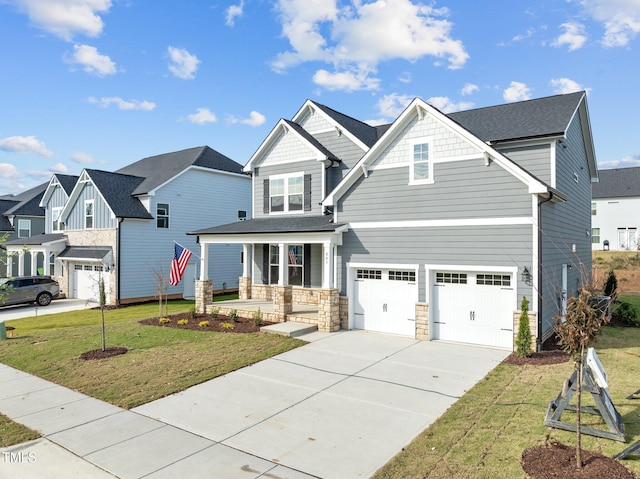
point(107, 353)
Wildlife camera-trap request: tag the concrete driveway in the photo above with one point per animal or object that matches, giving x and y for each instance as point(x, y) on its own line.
point(57, 306)
point(338, 407)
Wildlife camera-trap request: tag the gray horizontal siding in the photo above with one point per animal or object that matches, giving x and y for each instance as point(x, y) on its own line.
point(313, 168)
point(462, 189)
point(535, 159)
point(506, 245)
point(347, 151)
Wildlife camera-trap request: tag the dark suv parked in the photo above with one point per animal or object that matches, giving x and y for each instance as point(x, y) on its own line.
point(28, 289)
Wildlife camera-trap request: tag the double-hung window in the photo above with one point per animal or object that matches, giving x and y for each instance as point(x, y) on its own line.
point(274, 264)
point(24, 228)
point(420, 162)
point(595, 235)
point(286, 193)
point(56, 224)
point(162, 215)
point(88, 214)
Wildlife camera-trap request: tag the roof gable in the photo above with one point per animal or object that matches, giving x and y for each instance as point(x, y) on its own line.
point(157, 170)
point(29, 202)
point(64, 182)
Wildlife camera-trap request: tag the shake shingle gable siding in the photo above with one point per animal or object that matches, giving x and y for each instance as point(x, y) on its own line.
point(366, 133)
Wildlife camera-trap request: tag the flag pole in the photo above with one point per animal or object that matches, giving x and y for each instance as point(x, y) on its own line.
point(186, 248)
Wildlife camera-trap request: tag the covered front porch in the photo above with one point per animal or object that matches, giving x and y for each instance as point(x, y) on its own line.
point(289, 270)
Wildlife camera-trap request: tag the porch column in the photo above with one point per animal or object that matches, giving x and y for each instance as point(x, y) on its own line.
point(246, 260)
point(283, 280)
point(329, 310)
point(204, 295)
point(244, 284)
point(327, 265)
point(21, 263)
point(9, 265)
point(34, 263)
point(282, 301)
point(204, 261)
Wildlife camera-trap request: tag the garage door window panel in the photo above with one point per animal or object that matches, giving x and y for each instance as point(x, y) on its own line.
point(451, 278)
point(494, 279)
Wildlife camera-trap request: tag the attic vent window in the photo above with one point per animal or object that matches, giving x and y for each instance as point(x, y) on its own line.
point(242, 215)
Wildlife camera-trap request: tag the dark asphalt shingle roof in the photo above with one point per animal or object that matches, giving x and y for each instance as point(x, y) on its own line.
point(367, 134)
point(525, 119)
point(617, 183)
point(117, 190)
point(85, 252)
point(279, 224)
point(68, 182)
point(29, 202)
point(37, 239)
point(156, 170)
point(6, 204)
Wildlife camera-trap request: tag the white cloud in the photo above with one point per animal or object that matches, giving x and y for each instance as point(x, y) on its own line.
point(255, 119)
point(566, 85)
point(524, 36)
point(9, 171)
point(573, 36)
point(517, 91)
point(357, 37)
point(65, 18)
point(182, 63)
point(469, 88)
point(347, 81)
point(233, 12)
point(105, 102)
point(405, 77)
point(446, 105)
point(92, 62)
point(390, 106)
point(25, 144)
point(202, 116)
point(58, 168)
point(626, 162)
point(83, 158)
point(39, 175)
point(620, 18)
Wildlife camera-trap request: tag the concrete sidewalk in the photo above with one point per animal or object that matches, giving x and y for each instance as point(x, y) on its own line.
point(339, 407)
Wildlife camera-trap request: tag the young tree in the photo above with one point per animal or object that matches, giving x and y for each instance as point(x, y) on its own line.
point(576, 329)
point(523, 339)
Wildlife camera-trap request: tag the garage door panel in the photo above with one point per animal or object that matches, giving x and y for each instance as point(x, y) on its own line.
point(473, 308)
point(86, 282)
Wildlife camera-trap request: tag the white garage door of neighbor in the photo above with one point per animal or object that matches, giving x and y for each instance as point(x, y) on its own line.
point(473, 307)
point(86, 281)
point(385, 300)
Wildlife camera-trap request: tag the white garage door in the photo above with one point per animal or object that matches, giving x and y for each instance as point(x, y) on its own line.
point(385, 300)
point(473, 307)
point(86, 281)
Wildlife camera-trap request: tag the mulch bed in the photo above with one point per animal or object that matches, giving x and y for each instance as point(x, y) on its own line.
point(558, 461)
point(239, 326)
point(107, 353)
point(551, 353)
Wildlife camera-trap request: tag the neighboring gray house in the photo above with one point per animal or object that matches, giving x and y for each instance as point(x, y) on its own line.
point(122, 225)
point(433, 227)
point(615, 210)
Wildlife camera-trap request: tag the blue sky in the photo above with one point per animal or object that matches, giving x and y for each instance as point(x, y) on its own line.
point(103, 83)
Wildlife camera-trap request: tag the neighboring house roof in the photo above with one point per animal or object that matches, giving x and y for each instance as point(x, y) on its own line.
point(366, 133)
point(536, 118)
point(117, 190)
point(38, 240)
point(617, 183)
point(68, 182)
point(29, 202)
point(283, 224)
point(6, 204)
point(84, 252)
point(157, 170)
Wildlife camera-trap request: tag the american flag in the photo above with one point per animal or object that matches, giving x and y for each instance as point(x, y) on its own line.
point(181, 257)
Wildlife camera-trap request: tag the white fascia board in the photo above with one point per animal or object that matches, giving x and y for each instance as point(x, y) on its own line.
point(334, 238)
point(310, 105)
point(53, 182)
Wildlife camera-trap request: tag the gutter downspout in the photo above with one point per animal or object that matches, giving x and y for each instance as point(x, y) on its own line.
point(118, 262)
point(540, 302)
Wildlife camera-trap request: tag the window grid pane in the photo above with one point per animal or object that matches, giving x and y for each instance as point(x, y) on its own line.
point(369, 274)
point(451, 278)
point(421, 161)
point(402, 276)
point(493, 279)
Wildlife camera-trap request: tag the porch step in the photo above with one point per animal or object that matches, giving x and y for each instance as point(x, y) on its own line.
point(290, 328)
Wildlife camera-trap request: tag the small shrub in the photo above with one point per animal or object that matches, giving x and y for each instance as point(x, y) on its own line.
point(627, 313)
point(233, 315)
point(164, 320)
point(215, 312)
point(203, 324)
point(193, 312)
point(182, 322)
point(257, 317)
point(611, 284)
point(226, 325)
point(523, 340)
